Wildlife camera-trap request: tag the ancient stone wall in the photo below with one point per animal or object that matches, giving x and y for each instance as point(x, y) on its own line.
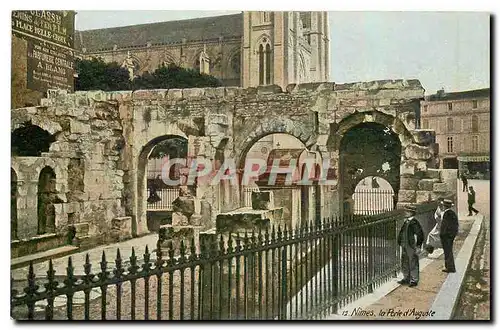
point(104, 138)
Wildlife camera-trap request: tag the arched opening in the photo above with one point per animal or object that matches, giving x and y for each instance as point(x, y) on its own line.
point(368, 150)
point(47, 196)
point(298, 200)
point(373, 195)
point(154, 193)
point(30, 140)
point(13, 204)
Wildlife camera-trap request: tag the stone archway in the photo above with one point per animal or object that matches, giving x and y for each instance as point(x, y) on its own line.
point(140, 223)
point(374, 136)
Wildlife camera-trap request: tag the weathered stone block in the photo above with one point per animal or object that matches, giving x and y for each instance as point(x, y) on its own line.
point(268, 89)
point(440, 187)
point(262, 200)
point(407, 168)
point(406, 196)
point(77, 127)
point(421, 166)
point(408, 183)
point(423, 196)
point(433, 173)
point(195, 220)
point(179, 219)
point(184, 205)
point(414, 151)
point(427, 184)
point(424, 136)
point(174, 94)
point(193, 93)
point(122, 228)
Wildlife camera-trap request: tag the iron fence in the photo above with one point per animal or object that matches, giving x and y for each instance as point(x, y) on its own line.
point(370, 201)
point(167, 196)
point(304, 273)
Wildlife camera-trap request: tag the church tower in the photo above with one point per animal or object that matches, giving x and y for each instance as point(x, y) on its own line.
point(283, 48)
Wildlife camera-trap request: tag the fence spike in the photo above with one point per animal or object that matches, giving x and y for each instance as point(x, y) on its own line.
point(182, 251)
point(70, 274)
point(238, 243)
point(87, 266)
point(230, 243)
point(266, 236)
point(273, 234)
point(51, 282)
point(133, 262)
point(146, 266)
point(171, 253)
point(203, 249)
point(192, 250)
point(159, 252)
point(118, 264)
point(222, 247)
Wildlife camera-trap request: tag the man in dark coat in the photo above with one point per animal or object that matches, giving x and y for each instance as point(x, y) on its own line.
point(471, 199)
point(410, 238)
point(464, 181)
point(448, 232)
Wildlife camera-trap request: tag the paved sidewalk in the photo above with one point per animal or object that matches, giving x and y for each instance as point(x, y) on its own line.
point(95, 255)
point(391, 301)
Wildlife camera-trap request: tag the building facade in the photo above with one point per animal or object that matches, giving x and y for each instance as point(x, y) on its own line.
point(247, 49)
point(462, 124)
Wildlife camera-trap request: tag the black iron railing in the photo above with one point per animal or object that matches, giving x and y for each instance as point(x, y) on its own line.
point(373, 200)
point(305, 273)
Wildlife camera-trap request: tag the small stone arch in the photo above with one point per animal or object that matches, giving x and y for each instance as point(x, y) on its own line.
point(394, 123)
point(297, 129)
point(29, 140)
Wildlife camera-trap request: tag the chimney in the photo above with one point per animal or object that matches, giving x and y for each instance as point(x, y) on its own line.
point(440, 93)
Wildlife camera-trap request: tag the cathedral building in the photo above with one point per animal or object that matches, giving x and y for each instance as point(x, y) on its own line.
point(246, 49)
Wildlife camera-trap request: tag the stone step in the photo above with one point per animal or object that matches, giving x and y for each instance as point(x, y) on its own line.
point(42, 256)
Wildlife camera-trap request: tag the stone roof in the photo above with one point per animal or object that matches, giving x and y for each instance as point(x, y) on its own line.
point(444, 96)
point(161, 33)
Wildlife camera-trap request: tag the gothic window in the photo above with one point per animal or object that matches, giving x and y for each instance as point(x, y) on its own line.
point(265, 61)
point(236, 63)
point(266, 16)
point(475, 124)
point(475, 144)
point(450, 144)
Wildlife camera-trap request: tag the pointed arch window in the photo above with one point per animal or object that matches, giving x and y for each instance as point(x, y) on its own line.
point(265, 61)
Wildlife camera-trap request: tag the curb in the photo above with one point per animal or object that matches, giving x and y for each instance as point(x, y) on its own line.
point(380, 292)
point(447, 297)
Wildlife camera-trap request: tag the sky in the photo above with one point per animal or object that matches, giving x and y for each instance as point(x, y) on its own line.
point(449, 50)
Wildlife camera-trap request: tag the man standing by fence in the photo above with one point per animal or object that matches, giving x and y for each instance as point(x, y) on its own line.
point(449, 230)
point(410, 238)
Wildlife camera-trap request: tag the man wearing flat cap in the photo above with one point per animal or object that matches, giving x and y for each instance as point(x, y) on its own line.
point(410, 238)
point(447, 234)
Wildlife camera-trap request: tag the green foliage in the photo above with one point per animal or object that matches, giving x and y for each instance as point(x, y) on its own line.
point(173, 76)
point(173, 148)
point(95, 74)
